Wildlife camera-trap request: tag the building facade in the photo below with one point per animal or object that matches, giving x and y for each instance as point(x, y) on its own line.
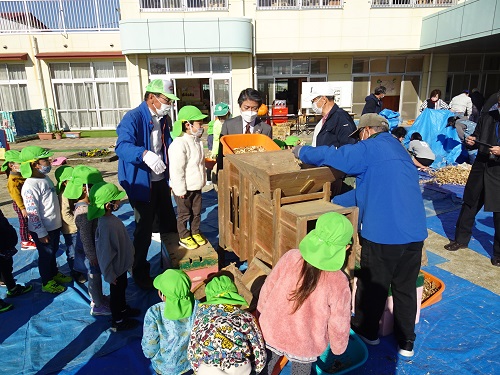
point(90, 60)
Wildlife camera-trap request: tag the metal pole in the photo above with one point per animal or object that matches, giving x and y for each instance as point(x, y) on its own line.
point(429, 76)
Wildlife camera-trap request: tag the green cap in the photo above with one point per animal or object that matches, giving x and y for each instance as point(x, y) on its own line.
point(11, 156)
point(82, 175)
point(101, 194)
point(221, 109)
point(292, 140)
point(325, 246)
point(175, 285)
point(30, 154)
point(280, 143)
point(63, 173)
point(186, 113)
point(162, 86)
point(221, 290)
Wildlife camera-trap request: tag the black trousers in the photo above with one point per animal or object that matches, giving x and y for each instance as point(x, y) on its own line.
point(6, 268)
point(188, 211)
point(465, 223)
point(155, 216)
point(383, 266)
point(117, 300)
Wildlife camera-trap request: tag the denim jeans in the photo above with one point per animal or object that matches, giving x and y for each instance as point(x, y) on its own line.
point(47, 255)
point(70, 243)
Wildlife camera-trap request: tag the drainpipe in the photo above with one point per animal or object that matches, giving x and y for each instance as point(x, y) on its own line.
point(41, 83)
point(429, 77)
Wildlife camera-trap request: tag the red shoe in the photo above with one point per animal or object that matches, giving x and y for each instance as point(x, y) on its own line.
point(28, 245)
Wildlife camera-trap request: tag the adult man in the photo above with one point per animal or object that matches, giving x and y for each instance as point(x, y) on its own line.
point(392, 222)
point(462, 104)
point(483, 183)
point(143, 139)
point(247, 123)
point(373, 102)
point(336, 125)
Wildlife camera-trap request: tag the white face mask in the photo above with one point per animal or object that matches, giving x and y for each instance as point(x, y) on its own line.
point(195, 132)
point(163, 110)
point(316, 109)
point(248, 116)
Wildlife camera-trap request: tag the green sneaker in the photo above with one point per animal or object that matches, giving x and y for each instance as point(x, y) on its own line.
point(188, 243)
point(53, 287)
point(61, 278)
point(4, 306)
point(200, 240)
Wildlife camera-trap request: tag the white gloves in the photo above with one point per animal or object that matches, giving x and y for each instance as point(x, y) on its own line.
point(154, 162)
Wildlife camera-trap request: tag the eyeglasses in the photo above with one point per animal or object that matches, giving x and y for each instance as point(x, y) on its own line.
point(165, 99)
point(315, 99)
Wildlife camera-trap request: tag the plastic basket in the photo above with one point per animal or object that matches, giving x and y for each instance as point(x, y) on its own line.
point(436, 297)
point(355, 355)
point(230, 142)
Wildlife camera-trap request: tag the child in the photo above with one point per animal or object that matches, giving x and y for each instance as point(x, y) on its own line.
point(14, 185)
point(421, 150)
point(115, 251)
point(313, 296)
point(44, 215)
point(7, 250)
point(187, 174)
point(225, 339)
point(77, 188)
point(221, 113)
point(68, 229)
point(167, 325)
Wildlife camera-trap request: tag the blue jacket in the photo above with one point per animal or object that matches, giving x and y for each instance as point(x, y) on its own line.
point(372, 105)
point(134, 132)
point(391, 208)
point(336, 129)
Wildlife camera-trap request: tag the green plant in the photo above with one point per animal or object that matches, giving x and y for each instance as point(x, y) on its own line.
point(60, 132)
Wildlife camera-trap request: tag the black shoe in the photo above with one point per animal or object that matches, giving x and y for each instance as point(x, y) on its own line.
point(405, 349)
point(454, 246)
point(495, 261)
point(78, 277)
point(19, 290)
point(124, 325)
point(4, 306)
point(130, 312)
point(366, 338)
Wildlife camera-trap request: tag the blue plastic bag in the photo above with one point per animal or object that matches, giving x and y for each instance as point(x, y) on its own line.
point(393, 118)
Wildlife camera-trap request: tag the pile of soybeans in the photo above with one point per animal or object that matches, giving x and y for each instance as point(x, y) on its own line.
point(451, 174)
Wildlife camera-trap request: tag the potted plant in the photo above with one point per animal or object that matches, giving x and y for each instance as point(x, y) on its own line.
point(58, 134)
point(70, 134)
point(45, 135)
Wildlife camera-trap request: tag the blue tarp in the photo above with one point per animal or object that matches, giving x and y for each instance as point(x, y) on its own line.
point(48, 334)
point(443, 140)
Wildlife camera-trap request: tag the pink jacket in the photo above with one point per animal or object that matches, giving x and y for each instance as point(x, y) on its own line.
point(323, 318)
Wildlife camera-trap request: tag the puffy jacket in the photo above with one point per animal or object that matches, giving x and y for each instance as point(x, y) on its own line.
point(372, 105)
point(337, 127)
point(391, 208)
point(134, 137)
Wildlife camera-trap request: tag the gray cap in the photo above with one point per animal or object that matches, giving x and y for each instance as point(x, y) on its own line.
point(370, 120)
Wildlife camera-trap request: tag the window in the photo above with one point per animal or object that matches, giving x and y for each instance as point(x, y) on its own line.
point(221, 64)
point(201, 64)
point(264, 67)
point(282, 67)
point(414, 63)
point(181, 5)
point(158, 66)
point(298, 4)
point(177, 65)
point(319, 66)
point(397, 64)
point(360, 65)
point(89, 95)
point(378, 65)
point(13, 88)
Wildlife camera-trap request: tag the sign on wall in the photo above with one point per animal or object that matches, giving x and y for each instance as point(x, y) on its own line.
point(342, 91)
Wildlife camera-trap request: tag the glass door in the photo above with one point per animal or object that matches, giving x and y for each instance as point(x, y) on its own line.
point(220, 91)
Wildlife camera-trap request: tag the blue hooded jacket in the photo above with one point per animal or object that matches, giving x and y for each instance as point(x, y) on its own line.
point(134, 137)
point(391, 208)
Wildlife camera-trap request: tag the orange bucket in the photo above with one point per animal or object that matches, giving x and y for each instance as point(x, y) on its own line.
point(436, 297)
point(230, 142)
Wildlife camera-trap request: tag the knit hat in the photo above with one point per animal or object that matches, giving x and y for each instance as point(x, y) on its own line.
point(82, 175)
point(325, 246)
point(175, 285)
point(369, 120)
point(101, 194)
point(30, 154)
point(62, 174)
point(221, 290)
point(221, 109)
point(164, 87)
point(11, 156)
point(186, 113)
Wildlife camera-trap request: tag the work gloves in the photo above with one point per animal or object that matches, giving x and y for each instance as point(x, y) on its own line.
point(154, 162)
point(296, 151)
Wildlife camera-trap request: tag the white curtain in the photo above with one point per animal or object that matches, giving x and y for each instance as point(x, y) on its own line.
point(103, 70)
point(14, 97)
point(80, 70)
